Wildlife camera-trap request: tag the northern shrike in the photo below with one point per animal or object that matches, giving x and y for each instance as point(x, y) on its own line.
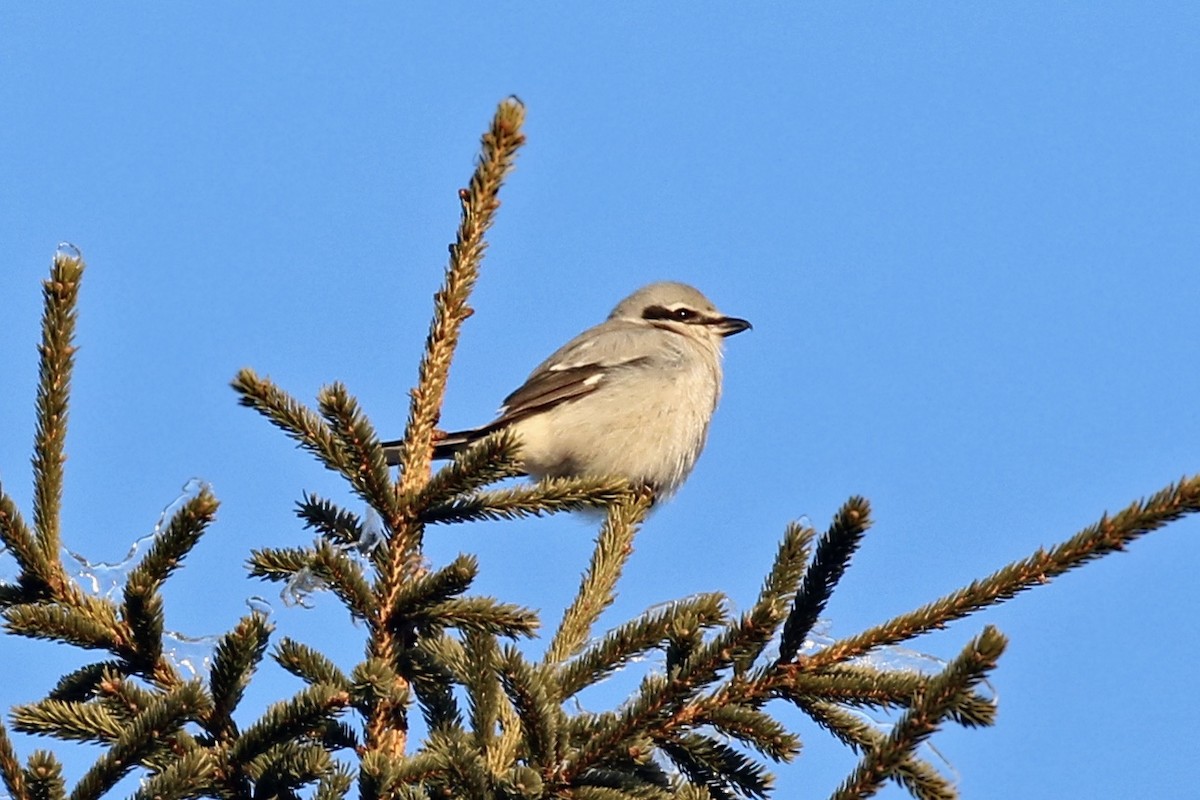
point(631, 397)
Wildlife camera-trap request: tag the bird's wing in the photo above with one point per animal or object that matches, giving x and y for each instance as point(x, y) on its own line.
point(578, 368)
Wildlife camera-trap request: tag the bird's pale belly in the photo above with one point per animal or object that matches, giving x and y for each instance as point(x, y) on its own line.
point(649, 437)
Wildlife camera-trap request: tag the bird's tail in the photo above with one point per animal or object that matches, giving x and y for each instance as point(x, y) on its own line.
point(446, 446)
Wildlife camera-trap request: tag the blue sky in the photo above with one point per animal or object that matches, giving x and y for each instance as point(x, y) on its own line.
point(966, 235)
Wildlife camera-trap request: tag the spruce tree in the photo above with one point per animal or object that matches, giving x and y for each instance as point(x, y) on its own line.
point(495, 722)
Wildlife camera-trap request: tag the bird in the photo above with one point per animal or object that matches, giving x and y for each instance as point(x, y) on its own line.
point(631, 397)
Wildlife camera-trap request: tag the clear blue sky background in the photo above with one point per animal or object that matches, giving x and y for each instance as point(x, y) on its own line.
point(967, 236)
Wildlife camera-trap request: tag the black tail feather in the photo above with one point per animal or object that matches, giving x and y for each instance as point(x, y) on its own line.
point(448, 446)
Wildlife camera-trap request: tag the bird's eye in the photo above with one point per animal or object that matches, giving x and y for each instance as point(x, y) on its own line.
point(677, 314)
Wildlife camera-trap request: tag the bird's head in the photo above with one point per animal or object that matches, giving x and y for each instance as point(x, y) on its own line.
point(680, 308)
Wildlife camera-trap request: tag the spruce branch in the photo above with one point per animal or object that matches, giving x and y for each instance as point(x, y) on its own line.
point(479, 204)
point(43, 777)
point(755, 729)
point(464, 771)
point(360, 444)
point(864, 687)
point(482, 614)
point(759, 625)
point(73, 721)
point(926, 714)
point(382, 775)
point(548, 496)
point(917, 776)
point(346, 578)
point(493, 458)
point(191, 775)
point(147, 732)
point(690, 791)
point(36, 573)
point(334, 784)
point(597, 590)
point(631, 775)
point(338, 525)
point(650, 708)
point(293, 418)
point(338, 735)
point(10, 594)
point(387, 728)
point(308, 664)
point(120, 695)
point(418, 594)
point(57, 349)
point(424, 766)
point(142, 613)
point(279, 563)
point(139, 640)
point(829, 563)
point(665, 705)
point(342, 528)
point(484, 693)
point(83, 682)
point(235, 659)
point(373, 682)
point(286, 767)
point(628, 790)
point(10, 767)
point(1109, 535)
point(636, 637)
point(531, 690)
point(291, 719)
point(169, 547)
point(432, 682)
point(721, 769)
point(62, 623)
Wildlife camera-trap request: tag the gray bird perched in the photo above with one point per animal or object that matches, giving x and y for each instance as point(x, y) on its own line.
point(631, 397)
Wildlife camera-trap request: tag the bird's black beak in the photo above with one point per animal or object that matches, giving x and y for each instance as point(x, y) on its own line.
point(728, 326)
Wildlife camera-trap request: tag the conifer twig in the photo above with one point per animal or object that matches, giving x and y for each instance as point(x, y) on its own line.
point(293, 418)
point(10, 767)
point(308, 664)
point(483, 692)
point(289, 720)
point(548, 496)
point(828, 565)
point(627, 641)
point(340, 526)
point(479, 204)
point(36, 574)
point(718, 766)
point(360, 446)
point(387, 726)
point(145, 732)
point(54, 383)
point(596, 592)
point(73, 721)
point(1109, 535)
point(863, 687)
point(925, 715)
point(190, 775)
point(917, 776)
point(492, 458)
point(44, 778)
point(756, 627)
point(531, 690)
point(235, 659)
